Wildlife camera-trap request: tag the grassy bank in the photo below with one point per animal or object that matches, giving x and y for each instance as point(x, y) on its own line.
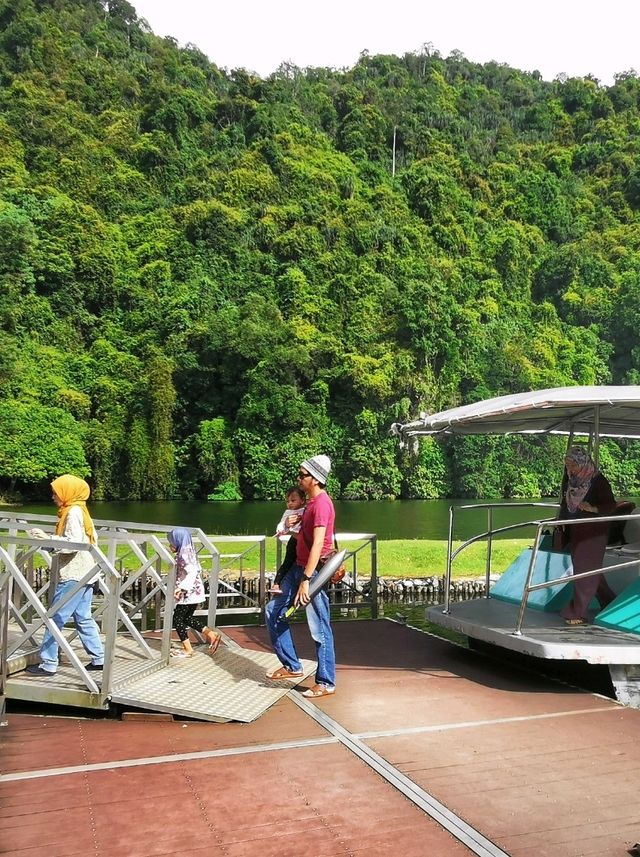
point(396, 558)
point(424, 557)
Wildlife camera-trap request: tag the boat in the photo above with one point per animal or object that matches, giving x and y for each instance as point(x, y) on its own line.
point(520, 611)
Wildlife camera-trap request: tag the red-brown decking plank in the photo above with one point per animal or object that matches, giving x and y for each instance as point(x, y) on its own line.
point(561, 784)
point(521, 784)
point(391, 676)
point(516, 782)
point(32, 743)
point(315, 800)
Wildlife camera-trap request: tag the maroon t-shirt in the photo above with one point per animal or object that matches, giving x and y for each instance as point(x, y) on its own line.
point(318, 512)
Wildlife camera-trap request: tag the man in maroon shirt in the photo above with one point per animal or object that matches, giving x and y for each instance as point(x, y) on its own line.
point(315, 542)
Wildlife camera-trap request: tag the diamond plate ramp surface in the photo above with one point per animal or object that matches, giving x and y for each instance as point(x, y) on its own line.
point(229, 686)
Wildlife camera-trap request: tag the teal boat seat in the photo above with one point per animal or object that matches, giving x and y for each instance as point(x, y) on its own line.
point(549, 566)
point(623, 614)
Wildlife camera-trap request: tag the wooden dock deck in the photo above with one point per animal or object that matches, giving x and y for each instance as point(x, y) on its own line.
point(426, 749)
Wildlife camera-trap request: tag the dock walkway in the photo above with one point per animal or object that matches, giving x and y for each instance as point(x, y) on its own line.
point(426, 749)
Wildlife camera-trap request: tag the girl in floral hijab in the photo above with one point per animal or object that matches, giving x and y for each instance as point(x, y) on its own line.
point(189, 592)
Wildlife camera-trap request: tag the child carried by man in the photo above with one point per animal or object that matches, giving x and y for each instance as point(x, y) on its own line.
point(288, 529)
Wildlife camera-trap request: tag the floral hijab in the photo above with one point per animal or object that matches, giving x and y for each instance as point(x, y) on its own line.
point(73, 491)
point(578, 483)
point(188, 570)
point(180, 539)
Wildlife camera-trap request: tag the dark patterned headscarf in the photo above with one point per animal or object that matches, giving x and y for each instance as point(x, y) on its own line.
point(580, 481)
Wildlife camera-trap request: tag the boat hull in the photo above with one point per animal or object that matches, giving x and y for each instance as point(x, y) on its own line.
point(546, 636)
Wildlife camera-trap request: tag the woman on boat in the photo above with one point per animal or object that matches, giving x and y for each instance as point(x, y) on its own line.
point(586, 494)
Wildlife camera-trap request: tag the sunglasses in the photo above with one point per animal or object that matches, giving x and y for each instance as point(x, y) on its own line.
point(303, 475)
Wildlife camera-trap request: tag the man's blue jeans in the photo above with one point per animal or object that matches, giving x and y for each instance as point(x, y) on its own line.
point(78, 606)
point(319, 621)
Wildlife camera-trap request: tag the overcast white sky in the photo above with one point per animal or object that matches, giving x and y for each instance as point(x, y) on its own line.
point(577, 37)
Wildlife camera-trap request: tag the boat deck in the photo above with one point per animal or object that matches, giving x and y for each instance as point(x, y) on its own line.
point(544, 635)
point(426, 749)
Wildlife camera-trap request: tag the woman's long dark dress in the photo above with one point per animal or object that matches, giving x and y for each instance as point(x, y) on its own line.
point(587, 543)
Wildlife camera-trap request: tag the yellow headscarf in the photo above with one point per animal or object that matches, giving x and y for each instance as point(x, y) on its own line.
point(73, 492)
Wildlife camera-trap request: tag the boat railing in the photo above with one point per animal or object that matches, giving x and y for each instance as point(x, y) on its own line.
point(577, 522)
point(490, 532)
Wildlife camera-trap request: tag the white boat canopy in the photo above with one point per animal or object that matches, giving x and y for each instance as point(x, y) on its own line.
point(593, 411)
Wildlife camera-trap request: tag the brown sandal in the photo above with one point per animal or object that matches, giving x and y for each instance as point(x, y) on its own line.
point(576, 621)
point(214, 640)
point(318, 690)
point(283, 673)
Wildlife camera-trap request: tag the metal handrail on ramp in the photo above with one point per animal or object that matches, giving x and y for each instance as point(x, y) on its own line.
point(136, 583)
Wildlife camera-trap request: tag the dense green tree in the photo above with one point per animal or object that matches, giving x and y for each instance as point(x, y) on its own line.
point(217, 466)
point(38, 443)
point(205, 276)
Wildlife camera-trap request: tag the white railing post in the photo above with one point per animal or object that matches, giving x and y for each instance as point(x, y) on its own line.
point(447, 578)
point(5, 582)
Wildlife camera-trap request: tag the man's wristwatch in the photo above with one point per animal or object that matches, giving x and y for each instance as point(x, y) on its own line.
point(304, 577)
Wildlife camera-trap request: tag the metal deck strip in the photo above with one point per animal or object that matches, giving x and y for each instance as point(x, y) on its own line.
point(469, 836)
point(285, 745)
point(164, 760)
point(471, 724)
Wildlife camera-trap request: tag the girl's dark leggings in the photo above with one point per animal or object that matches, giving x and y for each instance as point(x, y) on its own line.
point(183, 619)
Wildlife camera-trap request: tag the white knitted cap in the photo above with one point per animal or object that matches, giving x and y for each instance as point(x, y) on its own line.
point(319, 467)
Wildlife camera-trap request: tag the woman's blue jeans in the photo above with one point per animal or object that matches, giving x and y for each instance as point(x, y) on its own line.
point(78, 606)
point(319, 621)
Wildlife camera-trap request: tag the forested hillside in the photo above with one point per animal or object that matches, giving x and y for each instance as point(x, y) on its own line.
point(206, 276)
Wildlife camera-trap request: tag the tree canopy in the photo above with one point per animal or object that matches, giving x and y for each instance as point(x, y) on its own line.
point(206, 276)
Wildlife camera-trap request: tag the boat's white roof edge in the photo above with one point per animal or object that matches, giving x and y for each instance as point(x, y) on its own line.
point(559, 410)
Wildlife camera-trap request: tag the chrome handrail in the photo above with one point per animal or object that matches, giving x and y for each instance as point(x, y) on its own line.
point(5, 580)
point(11, 563)
point(491, 531)
point(226, 562)
point(529, 587)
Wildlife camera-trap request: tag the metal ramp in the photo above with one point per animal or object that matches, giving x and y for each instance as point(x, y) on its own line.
point(229, 686)
point(65, 687)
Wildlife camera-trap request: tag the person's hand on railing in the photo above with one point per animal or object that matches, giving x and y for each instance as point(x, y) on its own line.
point(37, 533)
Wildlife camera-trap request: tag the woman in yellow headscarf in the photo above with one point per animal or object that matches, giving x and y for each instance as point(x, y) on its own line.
point(70, 494)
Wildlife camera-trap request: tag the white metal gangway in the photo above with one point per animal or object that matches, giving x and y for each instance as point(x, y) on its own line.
point(135, 584)
point(134, 607)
